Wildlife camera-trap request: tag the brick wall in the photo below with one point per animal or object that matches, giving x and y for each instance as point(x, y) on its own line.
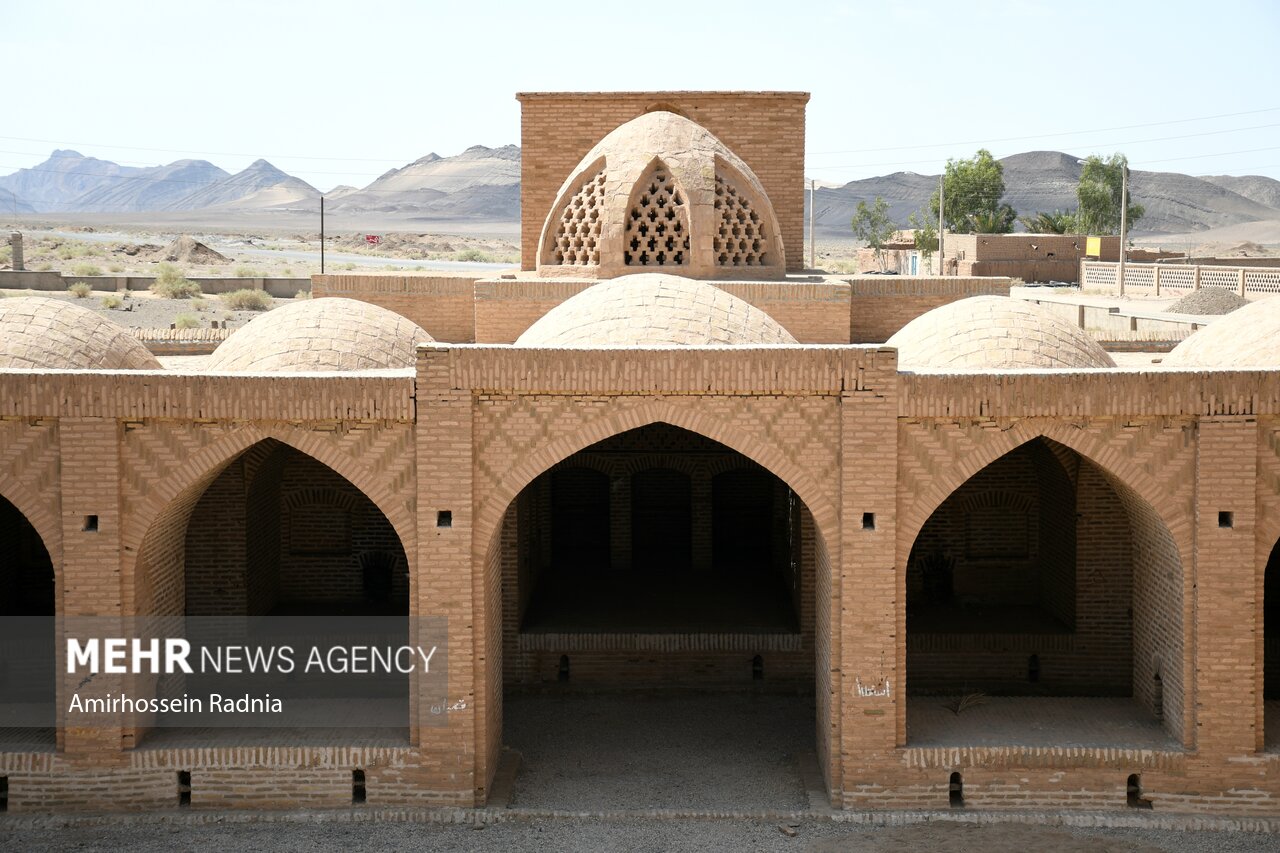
point(880, 305)
point(765, 129)
point(441, 303)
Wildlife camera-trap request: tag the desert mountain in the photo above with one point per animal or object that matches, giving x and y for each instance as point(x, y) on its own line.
point(11, 204)
point(54, 184)
point(483, 184)
point(150, 189)
point(479, 183)
point(1257, 187)
point(1046, 181)
point(260, 185)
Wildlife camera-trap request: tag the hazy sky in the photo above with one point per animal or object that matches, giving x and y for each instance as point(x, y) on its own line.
point(341, 92)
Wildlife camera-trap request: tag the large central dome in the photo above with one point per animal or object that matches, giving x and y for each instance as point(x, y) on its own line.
point(661, 193)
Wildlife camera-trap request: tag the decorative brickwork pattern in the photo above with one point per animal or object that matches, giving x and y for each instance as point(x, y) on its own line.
point(578, 237)
point(740, 239)
point(656, 233)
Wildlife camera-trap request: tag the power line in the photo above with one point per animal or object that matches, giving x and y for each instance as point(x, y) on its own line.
point(1046, 135)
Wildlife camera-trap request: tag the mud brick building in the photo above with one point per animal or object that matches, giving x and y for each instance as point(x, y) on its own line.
point(1003, 570)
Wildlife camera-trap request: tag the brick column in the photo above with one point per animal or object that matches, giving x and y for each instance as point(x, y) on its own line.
point(15, 243)
point(871, 686)
point(1225, 686)
point(91, 554)
point(444, 582)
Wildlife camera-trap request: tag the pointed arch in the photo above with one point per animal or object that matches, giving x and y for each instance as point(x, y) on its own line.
point(173, 498)
point(656, 229)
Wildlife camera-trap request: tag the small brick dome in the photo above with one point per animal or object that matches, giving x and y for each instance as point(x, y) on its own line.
point(1247, 337)
point(320, 335)
point(654, 309)
point(991, 333)
point(39, 332)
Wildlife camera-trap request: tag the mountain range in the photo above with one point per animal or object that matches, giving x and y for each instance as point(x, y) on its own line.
point(483, 185)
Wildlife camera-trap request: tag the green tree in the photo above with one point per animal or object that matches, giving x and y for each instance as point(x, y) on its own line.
point(973, 187)
point(926, 233)
point(1057, 222)
point(873, 226)
point(1099, 195)
point(998, 221)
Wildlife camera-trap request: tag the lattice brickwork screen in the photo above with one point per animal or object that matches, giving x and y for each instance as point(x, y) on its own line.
point(740, 239)
point(657, 225)
point(578, 237)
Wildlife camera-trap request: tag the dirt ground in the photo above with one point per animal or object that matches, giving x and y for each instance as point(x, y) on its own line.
point(144, 310)
point(311, 835)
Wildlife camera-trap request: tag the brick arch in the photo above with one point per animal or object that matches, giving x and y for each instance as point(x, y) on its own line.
point(172, 499)
point(512, 481)
point(1148, 505)
point(206, 464)
point(1120, 471)
point(39, 515)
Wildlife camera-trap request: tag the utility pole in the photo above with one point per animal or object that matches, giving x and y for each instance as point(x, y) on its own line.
point(942, 222)
point(1124, 221)
point(321, 235)
point(813, 243)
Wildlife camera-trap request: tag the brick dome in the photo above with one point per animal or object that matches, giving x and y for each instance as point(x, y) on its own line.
point(320, 335)
point(39, 332)
point(661, 193)
point(1247, 337)
point(991, 333)
point(654, 309)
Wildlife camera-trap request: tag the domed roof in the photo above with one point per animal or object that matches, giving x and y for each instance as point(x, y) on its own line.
point(653, 309)
point(994, 332)
point(1247, 337)
point(39, 332)
point(320, 335)
point(661, 193)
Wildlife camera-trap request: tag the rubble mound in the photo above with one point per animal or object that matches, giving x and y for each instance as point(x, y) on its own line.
point(188, 250)
point(1212, 300)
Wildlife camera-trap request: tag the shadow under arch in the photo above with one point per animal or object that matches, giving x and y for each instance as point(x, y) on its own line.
point(1155, 572)
point(172, 498)
point(28, 605)
point(268, 530)
point(488, 558)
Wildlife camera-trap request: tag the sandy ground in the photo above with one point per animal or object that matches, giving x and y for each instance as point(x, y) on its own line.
point(144, 310)
point(88, 251)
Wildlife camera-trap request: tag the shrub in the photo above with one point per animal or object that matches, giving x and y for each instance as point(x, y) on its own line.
point(116, 268)
point(112, 300)
point(247, 300)
point(247, 272)
point(199, 304)
point(288, 271)
point(85, 269)
point(186, 320)
point(80, 289)
point(171, 283)
point(302, 294)
point(474, 256)
point(44, 267)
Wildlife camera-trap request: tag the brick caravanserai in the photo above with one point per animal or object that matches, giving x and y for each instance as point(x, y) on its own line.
point(663, 453)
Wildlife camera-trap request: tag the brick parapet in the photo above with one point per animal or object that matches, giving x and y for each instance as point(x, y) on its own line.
point(385, 395)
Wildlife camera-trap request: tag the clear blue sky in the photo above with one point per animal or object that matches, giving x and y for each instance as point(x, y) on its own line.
point(340, 92)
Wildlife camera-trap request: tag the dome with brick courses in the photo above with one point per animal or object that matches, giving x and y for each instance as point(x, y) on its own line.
point(654, 310)
point(994, 333)
point(320, 335)
point(661, 193)
point(1247, 337)
point(38, 332)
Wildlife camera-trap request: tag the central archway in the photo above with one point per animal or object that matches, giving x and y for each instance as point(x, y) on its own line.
point(657, 570)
